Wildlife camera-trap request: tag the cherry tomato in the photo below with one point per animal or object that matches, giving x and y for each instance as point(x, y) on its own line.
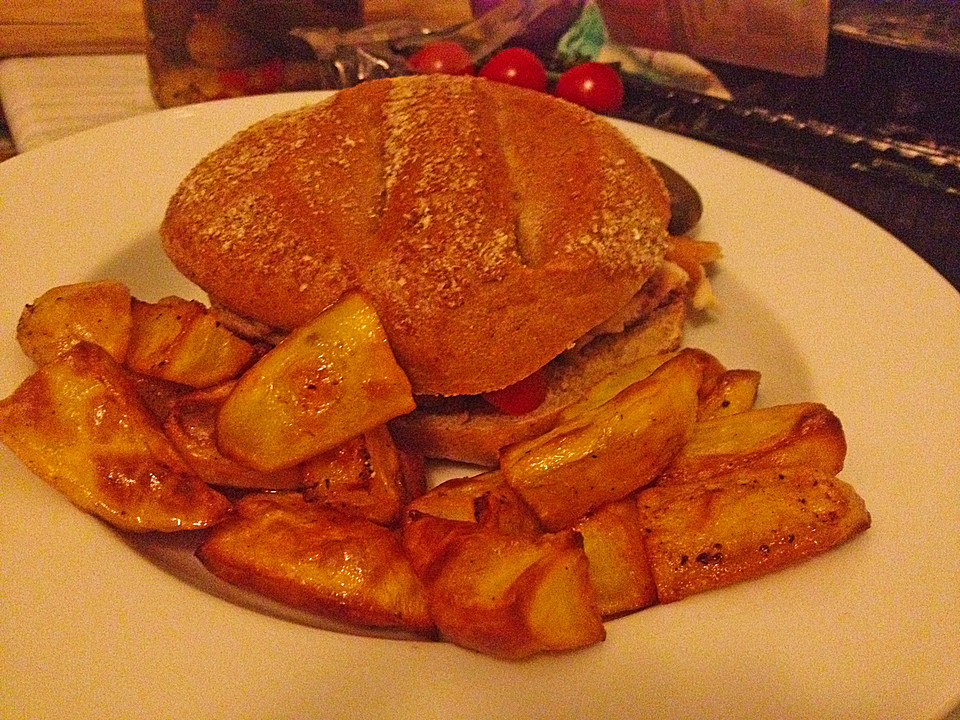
point(594, 85)
point(264, 78)
point(443, 56)
point(516, 66)
point(521, 397)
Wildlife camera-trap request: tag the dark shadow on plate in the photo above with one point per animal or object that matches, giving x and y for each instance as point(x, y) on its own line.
point(174, 553)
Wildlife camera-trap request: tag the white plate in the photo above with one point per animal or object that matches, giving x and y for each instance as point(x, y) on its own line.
point(826, 305)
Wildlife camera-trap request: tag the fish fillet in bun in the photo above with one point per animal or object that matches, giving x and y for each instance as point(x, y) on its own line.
point(494, 229)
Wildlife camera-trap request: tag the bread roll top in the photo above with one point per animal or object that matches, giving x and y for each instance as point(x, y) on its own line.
point(489, 225)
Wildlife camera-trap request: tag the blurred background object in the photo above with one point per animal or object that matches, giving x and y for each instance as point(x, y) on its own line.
point(924, 25)
point(46, 27)
point(877, 130)
point(211, 49)
point(767, 34)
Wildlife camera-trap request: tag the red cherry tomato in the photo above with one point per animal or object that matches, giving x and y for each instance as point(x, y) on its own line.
point(516, 66)
point(264, 78)
point(521, 397)
point(443, 56)
point(594, 85)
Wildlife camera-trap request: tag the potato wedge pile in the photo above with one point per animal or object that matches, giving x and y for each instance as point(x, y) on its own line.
point(661, 482)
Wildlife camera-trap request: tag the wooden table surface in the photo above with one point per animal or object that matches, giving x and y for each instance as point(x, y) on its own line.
point(50, 27)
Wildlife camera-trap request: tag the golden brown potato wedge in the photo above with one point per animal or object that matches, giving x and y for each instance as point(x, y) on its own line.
point(180, 341)
point(158, 396)
point(612, 384)
point(732, 392)
point(366, 475)
point(608, 452)
point(619, 570)
point(191, 426)
point(466, 498)
point(413, 470)
point(79, 424)
point(705, 535)
point(95, 312)
point(325, 383)
point(802, 434)
point(489, 503)
point(310, 556)
point(510, 596)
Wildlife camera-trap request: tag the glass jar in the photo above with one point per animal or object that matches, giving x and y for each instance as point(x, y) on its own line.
point(212, 49)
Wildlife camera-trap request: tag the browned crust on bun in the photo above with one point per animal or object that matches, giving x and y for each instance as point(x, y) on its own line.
point(490, 226)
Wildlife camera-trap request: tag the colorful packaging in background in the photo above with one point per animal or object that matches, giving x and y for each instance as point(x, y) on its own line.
point(785, 37)
point(211, 49)
point(201, 50)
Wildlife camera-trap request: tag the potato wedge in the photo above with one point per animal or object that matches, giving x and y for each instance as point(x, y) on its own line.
point(79, 424)
point(802, 434)
point(179, 340)
point(158, 396)
point(462, 498)
point(608, 452)
point(612, 384)
point(619, 570)
point(366, 475)
point(734, 391)
point(705, 535)
point(510, 596)
point(191, 426)
point(327, 382)
point(316, 558)
point(95, 312)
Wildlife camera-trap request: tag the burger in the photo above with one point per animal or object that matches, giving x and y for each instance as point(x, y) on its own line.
point(512, 244)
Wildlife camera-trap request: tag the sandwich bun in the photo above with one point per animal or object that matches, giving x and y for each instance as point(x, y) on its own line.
point(490, 226)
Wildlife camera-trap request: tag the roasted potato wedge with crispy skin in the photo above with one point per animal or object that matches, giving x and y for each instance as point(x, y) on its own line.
point(191, 426)
point(158, 396)
point(619, 570)
point(705, 535)
point(798, 435)
point(510, 596)
point(413, 470)
point(95, 312)
point(610, 386)
point(459, 499)
point(310, 556)
point(325, 383)
point(606, 453)
point(712, 368)
point(79, 424)
point(615, 383)
point(734, 391)
point(366, 475)
point(180, 341)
